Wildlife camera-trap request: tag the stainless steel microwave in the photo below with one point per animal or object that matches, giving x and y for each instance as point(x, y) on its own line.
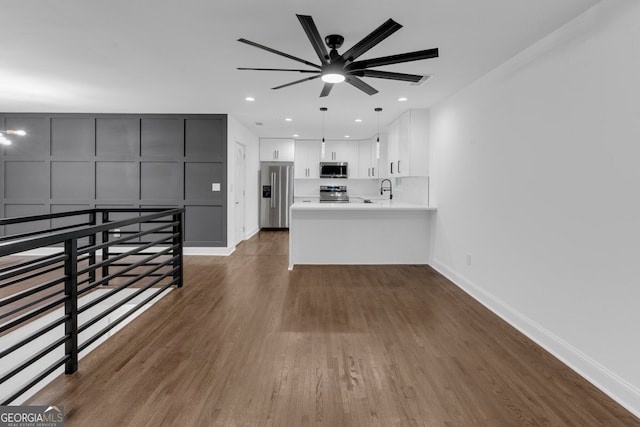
point(334, 170)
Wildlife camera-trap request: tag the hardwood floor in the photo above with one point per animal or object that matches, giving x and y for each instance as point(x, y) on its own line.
point(248, 343)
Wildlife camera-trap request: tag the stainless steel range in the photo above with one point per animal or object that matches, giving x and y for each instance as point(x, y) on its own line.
point(334, 194)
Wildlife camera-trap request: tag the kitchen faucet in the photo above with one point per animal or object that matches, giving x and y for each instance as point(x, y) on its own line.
point(383, 189)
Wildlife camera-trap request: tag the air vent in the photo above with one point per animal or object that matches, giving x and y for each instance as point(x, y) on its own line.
point(422, 80)
point(259, 123)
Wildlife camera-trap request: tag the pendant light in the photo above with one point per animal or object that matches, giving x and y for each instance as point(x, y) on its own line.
point(322, 146)
point(377, 110)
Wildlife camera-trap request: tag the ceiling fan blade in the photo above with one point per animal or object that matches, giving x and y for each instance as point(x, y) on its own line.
point(326, 89)
point(415, 78)
point(393, 59)
point(296, 82)
point(354, 81)
point(277, 52)
point(314, 37)
point(379, 34)
point(279, 69)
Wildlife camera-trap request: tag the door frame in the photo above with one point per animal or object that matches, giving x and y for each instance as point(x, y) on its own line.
point(243, 196)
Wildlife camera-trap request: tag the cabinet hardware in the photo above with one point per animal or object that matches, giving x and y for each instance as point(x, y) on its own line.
point(373, 171)
point(392, 168)
point(398, 166)
point(273, 186)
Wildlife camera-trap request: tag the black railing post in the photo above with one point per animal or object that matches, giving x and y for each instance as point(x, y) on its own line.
point(71, 305)
point(178, 241)
point(92, 243)
point(105, 250)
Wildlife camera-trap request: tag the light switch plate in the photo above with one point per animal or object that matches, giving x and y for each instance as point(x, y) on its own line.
point(215, 186)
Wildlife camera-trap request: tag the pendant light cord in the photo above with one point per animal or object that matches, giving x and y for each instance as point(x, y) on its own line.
point(323, 109)
point(377, 110)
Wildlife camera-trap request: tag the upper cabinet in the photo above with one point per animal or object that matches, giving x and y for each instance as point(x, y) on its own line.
point(408, 145)
point(339, 151)
point(365, 158)
point(342, 151)
point(307, 159)
point(276, 150)
point(368, 159)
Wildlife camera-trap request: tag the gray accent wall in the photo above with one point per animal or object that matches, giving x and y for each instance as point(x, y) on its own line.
point(78, 161)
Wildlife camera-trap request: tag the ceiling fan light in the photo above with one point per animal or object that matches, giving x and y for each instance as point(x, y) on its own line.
point(333, 78)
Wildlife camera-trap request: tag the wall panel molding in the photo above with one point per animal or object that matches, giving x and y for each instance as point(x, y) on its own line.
point(119, 160)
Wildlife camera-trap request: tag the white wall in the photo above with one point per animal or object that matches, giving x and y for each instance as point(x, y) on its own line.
point(237, 132)
point(536, 172)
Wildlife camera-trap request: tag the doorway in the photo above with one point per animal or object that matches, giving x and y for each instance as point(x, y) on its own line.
point(240, 156)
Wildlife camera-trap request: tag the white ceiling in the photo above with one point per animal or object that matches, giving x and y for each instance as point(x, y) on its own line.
point(180, 56)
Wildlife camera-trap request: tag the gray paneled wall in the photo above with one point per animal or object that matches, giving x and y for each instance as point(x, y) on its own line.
point(77, 161)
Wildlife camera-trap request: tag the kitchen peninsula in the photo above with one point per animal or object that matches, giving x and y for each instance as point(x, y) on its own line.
point(382, 232)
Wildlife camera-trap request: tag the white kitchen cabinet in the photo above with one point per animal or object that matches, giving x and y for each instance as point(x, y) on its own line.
point(276, 150)
point(307, 159)
point(408, 144)
point(368, 159)
point(332, 151)
point(342, 151)
point(339, 151)
point(393, 150)
point(381, 155)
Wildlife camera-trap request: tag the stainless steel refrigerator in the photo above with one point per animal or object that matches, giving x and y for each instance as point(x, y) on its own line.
point(276, 194)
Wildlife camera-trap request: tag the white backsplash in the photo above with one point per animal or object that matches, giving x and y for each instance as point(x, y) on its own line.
point(409, 189)
point(413, 189)
point(355, 187)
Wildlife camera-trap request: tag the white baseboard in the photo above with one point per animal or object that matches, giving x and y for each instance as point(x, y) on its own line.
point(193, 250)
point(41, 252)
point(614, 386)
point(187, 250)
point(250, 234)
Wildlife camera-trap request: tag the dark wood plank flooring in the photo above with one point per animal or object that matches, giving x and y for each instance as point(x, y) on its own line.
point(248, 343)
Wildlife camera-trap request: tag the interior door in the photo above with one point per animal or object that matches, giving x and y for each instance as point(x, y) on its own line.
point(240, 155)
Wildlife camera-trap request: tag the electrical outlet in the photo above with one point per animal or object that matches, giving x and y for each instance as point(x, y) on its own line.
point(116, 232)
point(469, 260)
point(215, 186)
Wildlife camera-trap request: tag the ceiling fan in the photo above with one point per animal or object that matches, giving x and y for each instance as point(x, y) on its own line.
point(336, 68)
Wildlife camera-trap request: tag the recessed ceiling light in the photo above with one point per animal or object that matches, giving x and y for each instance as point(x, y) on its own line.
point(250, 98)
point(295, 135)
point(347, 136)
point(402, 99)
point(288, 119)
point(358, 120)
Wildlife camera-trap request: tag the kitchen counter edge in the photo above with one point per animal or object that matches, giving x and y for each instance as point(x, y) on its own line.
point(379, 206)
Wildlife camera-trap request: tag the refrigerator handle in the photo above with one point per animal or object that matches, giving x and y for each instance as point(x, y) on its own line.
point(273, 190)
point(286, 198)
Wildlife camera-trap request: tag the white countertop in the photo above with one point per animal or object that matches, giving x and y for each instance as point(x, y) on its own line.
point(377, 205)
